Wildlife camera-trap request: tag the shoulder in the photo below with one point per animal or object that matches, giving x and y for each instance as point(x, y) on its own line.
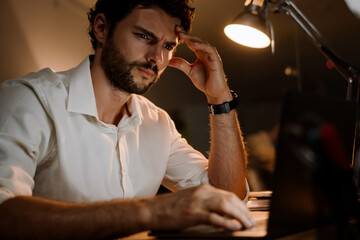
point(23, 89)
point(35, 81)
point(20, 103)
point(33, 90)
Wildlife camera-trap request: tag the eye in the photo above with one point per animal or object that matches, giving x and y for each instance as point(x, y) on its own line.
point(168, 47)
point(144, 36)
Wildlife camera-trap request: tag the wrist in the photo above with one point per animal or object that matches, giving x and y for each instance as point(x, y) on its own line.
point(226, 97)
point(225, 106)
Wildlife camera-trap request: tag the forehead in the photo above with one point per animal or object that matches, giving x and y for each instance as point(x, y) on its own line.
point(153, 19)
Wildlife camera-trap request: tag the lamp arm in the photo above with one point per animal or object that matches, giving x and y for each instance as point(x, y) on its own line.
point(349, 72)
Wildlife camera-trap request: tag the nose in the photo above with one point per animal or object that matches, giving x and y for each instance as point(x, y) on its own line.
point(155, 54)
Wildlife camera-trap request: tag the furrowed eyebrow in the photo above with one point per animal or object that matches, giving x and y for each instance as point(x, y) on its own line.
point(152, 35)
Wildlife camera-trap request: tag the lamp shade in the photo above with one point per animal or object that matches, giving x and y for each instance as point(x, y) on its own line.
point(249, 29)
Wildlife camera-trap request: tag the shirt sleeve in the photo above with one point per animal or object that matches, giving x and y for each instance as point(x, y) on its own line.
point(187, 167)
point(24, 132)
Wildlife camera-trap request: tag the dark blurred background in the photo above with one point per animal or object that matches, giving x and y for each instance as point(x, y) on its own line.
point(53, 33)
point(255, 74)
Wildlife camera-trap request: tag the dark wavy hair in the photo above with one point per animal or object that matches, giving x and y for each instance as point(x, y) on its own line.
point(116, 10)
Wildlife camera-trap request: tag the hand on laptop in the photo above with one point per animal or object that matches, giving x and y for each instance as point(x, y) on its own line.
point(200, 205)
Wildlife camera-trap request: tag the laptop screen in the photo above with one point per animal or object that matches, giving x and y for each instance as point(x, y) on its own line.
point(312, 178)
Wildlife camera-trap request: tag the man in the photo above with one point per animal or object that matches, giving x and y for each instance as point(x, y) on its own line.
point(82, 155)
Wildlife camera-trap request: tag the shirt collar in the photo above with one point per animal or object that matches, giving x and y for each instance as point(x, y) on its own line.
point(82, 97)
point(127, 123)
point(81, 92)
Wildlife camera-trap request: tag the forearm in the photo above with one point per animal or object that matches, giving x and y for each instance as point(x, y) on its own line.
point(31, 217)
point(227, 159)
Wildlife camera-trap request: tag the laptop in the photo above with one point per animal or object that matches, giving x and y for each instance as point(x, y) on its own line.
point(312, 182)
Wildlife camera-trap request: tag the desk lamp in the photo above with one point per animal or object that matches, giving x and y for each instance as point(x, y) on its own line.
point(252, 28)
point(254, 22)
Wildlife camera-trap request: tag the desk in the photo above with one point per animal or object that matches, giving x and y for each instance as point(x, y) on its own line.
point(328, 232)
point(306, 235)
point(139, 236)
point(259, 230)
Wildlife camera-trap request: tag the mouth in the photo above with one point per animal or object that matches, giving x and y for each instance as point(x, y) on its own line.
point(146, 73)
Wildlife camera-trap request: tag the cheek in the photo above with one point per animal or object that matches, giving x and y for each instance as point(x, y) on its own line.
point(134, 54)
point(167, 56)
point(131, 49)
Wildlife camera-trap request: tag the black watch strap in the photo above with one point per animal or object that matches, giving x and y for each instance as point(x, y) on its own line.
point(225, 107)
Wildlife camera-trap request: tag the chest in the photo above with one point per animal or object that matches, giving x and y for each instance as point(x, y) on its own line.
point(99, 162)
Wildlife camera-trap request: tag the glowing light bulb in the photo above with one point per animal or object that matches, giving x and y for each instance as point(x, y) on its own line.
point(247, 36)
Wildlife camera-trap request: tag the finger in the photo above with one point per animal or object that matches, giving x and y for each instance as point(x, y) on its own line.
point(221, 221)
point(243, 214)
point(241, 209)
point(180, 64)
point(233, 207)
point(187, 36)
point(196, 44)
point(204, 51)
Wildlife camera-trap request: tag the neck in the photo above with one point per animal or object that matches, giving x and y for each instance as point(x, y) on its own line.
point(110, 102)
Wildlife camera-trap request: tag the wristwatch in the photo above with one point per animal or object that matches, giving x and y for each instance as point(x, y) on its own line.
point(225, 107)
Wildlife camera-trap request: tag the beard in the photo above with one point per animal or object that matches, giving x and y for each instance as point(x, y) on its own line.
point(118, 70)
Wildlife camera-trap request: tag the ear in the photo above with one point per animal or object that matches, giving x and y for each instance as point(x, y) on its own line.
point(100, 28)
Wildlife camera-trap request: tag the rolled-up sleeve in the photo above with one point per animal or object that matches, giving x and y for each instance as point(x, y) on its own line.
point(187, 167)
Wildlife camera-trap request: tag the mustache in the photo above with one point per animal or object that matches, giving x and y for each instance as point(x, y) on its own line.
point(147, 65)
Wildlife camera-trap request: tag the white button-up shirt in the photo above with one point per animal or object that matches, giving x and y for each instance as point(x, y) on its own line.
point(53, 145)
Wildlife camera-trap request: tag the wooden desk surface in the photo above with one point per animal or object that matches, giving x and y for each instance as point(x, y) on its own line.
point(258, 230)
point(141, 235)
point(328, 232)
